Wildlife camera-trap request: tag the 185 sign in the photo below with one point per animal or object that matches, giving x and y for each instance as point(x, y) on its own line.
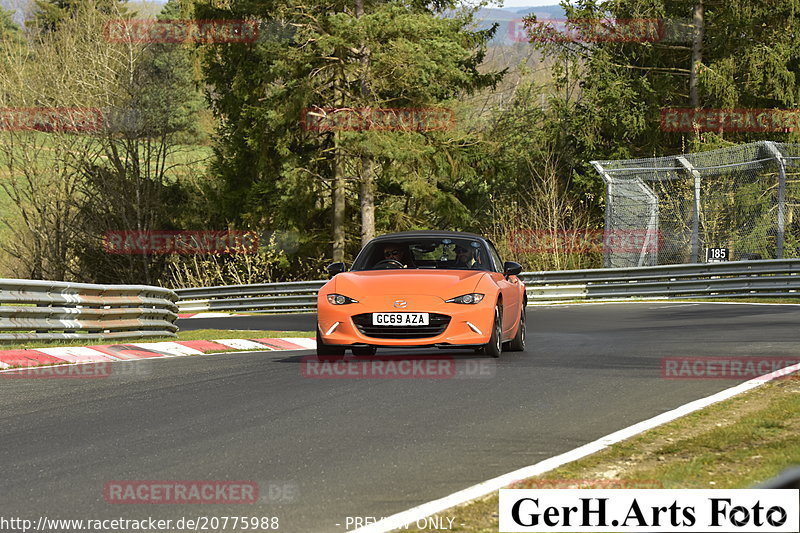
point(717, 255)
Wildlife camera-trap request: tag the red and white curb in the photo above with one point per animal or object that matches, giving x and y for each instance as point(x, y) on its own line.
point(144, 350)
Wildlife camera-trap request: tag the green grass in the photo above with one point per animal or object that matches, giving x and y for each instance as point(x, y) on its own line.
point(195, 335)
point(182, 159)
point(736, 443)
point(183, 162)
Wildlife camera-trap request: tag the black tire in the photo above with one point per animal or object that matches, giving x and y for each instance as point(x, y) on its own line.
point(495, 346)
point(364, 350)
point(517, 344)
point(328, 350)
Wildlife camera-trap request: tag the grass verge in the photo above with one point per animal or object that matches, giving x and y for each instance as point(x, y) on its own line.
point(736, 443)
point(194, 335)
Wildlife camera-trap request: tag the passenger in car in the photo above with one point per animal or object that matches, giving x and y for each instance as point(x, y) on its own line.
point(465, 258)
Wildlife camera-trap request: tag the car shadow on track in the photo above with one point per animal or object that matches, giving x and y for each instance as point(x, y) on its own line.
point(420, 364)
point(389, 356)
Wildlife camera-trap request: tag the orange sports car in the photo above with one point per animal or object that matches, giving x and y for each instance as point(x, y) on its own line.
point(419, 289)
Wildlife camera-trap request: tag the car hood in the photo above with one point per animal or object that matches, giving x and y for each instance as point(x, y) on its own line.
point(370, 284)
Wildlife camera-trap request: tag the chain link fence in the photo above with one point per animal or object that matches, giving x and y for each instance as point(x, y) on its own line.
point(736, 203)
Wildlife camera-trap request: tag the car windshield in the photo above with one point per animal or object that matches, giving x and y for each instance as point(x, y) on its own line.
point(424, 253)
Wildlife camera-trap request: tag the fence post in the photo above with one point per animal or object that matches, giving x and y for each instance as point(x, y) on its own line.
point(696, 215)
point(609, 184)
point(775, 153)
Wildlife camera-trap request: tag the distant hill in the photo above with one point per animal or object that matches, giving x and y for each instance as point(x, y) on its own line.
point(510, 30)
point(554, 11)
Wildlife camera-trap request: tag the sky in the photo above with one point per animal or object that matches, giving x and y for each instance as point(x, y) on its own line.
point(529, 3)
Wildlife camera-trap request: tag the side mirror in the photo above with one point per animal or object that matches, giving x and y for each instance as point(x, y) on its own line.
point(336, 268)
point(510, 268)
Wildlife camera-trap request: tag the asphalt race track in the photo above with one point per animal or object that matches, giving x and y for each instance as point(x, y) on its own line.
point(325, 449)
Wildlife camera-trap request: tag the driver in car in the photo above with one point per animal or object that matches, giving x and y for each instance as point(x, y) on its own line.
point(466, 258)
point(396, 252)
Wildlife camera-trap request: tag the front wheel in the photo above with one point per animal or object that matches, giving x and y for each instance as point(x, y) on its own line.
point(495, 346)
point(517, 344)
point(328, 350)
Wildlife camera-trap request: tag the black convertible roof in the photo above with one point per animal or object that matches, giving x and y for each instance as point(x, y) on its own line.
point(403, 235)
point(428, 233)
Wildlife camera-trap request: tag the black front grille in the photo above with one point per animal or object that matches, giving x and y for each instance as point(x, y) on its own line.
point(436, 325)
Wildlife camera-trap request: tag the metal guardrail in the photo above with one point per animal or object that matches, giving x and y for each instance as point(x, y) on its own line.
point(774, 277)
point(55, 310)
point(738, 279)
point(295, 296)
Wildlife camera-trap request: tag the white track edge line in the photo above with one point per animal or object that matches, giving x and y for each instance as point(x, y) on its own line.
point(400, 520)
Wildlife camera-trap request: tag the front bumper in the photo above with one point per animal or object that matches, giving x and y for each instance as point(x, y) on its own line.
point(468, 324)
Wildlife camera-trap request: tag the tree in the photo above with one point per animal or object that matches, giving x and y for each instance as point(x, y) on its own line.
point(9, 30)
point(625, 83)
point(42, 158)
point(69, 187)
point(155, 107)
point(50, 14)
point(392, 54)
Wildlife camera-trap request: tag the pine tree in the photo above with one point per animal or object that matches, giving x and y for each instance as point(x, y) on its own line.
point(713, 54)
point(390, 55)
point(50, 13)
point(9, 30)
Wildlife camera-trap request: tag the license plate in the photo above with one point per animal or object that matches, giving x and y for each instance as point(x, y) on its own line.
point(399, 319)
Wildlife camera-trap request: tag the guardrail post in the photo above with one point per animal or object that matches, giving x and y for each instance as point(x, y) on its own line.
point(696, 210)
point(778, 156)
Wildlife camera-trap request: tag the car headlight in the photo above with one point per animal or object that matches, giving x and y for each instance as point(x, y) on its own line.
point(471, 298)
point(340, 299)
